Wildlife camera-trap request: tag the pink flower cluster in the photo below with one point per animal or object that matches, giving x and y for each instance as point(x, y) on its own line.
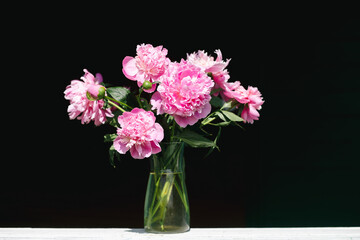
point(80, 106)
point(149, 64)
point(139, 133)
point(207, 64)
point(184, 93)
point(251, 98)
point(182, 90)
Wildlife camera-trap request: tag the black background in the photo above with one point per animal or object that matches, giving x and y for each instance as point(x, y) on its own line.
point(297, 166)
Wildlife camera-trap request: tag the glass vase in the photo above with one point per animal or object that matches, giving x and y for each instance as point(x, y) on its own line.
point(166, 207)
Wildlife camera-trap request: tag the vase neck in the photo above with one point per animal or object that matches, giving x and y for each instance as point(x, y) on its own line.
point(170, 159)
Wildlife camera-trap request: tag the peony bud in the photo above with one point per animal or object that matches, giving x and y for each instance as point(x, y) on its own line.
point(147, 85)
point(95, 92)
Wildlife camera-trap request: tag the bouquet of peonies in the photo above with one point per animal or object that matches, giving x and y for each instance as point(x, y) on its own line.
point(171, 96)
point(182, 92)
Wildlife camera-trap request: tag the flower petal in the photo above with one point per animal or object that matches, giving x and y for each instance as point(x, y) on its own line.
point(129, 67)
point(135, 154)
point(156, 102)
point(120, 145)
point(155, 147)
point(184, 121)
point(204, 112)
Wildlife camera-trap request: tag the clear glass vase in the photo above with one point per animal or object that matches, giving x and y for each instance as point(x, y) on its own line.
point(166, 207)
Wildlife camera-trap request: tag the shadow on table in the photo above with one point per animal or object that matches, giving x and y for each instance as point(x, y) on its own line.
point(136, 230)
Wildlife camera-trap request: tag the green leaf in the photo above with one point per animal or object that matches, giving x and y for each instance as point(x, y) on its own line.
point(112, 155)
point(118, 93)
point(145, 104)
point(207, 120)
point(110, 137)
point(113, 121)
point(221, 116)
point(221, 124)
point(232, 116)
point(227, 105)
point(106, 104)
point(215, 142)
point(169, 118)
point(194, 139)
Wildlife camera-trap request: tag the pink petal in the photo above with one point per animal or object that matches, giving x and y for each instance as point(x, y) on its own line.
point(219, 55)
point(155, 147)
point(159, 136)
point(88, 77)
point(254, 114)
point(156, 103)
point(140, 77)
point(217, 67)
point(93, 89)
point(232, 85)
point(99, 78)
point(146, 149)
point(120, 146)
point(245, 116)
point(240, 98)
point(129, 67)
point(134, 153)
point(204, 112)
point(135, 110)
point(184, 121)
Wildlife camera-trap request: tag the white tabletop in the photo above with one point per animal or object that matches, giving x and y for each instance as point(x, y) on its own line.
point(339, 233)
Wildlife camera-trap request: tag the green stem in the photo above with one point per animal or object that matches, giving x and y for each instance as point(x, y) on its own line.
point(173, 131)
point(206, 121)
point(152, 207)
point(181, 193)
point(164, 197)
point(158, 211)
point(138, 98)
point(117, 106)
point(121, 103)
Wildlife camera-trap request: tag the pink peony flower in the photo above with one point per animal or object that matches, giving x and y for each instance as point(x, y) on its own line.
point(207, 64)
point(234, 90)
point(250, 97)
point(138, 133)
point(80, 106)
point(184, 93)
point(149, 64)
